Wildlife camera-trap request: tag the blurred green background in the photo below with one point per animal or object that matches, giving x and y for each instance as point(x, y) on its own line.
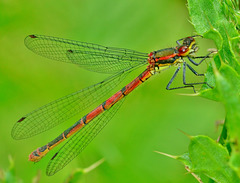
point(150, 118)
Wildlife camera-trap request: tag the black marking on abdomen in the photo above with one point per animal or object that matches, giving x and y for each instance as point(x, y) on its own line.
point(103, 104)
point(123, 90)
point(35, 153)
point(84, 118)
point(140, 79)
point(43, 148)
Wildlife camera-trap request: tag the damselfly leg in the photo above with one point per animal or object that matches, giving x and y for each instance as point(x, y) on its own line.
point(186, 85)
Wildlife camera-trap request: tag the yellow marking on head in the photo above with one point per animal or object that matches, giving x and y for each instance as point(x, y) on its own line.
point(189, 48)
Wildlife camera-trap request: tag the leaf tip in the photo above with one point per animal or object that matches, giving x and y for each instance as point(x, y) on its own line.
point(168, 155)
point(189, 136)
point(191, 95)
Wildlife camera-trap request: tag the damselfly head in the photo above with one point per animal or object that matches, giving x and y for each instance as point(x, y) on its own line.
point(188, 47)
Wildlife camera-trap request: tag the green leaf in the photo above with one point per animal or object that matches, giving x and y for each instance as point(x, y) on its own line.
point(218, 20)
point(223, 136)
point(209, 19)
point(211, 159)
point(186, 160)
point(228, 85)
point(228, 82)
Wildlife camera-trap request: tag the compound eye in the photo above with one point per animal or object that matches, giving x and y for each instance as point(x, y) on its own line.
point(182, 49)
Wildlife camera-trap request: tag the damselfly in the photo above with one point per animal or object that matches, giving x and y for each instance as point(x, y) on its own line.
point(116, 61)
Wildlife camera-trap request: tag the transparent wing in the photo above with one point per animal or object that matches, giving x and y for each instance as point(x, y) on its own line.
point(80, 140)
point(58, 111)
point(89, 56)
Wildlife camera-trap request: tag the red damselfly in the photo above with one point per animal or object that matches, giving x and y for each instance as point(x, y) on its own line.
point(116, 61)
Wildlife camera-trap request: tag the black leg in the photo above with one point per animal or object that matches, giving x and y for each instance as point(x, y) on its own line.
point(178, 42)
point(203, 58)
point(173, 77)
point(184, 78)
point(194, 72)
point(186, 85)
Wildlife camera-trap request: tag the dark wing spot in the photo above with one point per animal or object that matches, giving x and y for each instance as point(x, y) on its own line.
point(54, 156)
point(20, 120)
point(32, 36)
